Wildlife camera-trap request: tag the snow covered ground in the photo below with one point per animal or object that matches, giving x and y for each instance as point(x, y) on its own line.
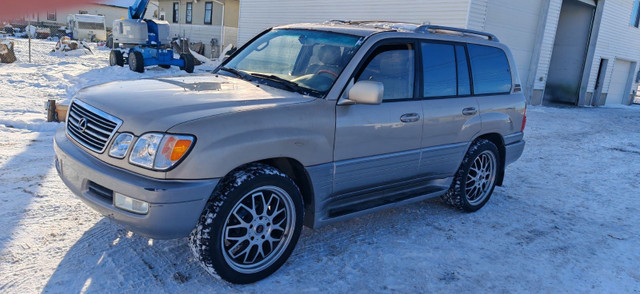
point(566, 219)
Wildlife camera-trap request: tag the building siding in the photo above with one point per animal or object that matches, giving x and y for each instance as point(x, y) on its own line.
point(527, 27)
point(477, 14)
point(198, 31)
point(617, 39)
point(520, 35)
point(546, 48)
point(110, 13)
point(258, 15)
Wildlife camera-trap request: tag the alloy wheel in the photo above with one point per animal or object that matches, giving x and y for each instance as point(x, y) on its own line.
point(480, 178)
point(258, 229)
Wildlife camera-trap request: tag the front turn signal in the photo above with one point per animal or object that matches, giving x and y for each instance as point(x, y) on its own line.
point(172, 149)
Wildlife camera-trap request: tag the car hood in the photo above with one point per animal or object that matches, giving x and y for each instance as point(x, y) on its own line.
point(157, 104)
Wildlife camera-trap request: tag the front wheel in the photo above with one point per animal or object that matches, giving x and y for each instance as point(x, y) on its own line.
point(250, 225)
point(476, 178)
point(116, 58)
point(189, 62)
point(136, 62)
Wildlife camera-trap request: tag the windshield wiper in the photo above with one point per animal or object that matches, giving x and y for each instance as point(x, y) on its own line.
point(293, 86)
point(235, 72)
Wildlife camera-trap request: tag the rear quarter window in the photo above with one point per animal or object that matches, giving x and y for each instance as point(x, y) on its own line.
point(490, 70)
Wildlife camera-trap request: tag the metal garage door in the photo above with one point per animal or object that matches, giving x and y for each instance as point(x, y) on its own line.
point(618, 91)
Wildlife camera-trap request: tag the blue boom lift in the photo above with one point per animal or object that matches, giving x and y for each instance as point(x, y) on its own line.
point(144, 42)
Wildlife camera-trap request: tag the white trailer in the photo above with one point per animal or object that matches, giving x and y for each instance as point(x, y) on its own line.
point(86, 27)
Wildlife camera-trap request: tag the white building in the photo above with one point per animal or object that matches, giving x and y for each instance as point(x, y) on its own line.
point(212, 22)
point(110, 9)
point(581, 52)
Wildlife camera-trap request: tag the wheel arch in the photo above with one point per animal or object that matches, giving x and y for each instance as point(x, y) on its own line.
point(298, 173)
point(497, 140)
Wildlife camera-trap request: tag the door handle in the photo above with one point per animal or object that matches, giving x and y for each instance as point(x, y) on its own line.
point(469, 111)
point(410, 117)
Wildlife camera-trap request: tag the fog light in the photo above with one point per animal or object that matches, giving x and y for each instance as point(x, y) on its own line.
point(130, 204)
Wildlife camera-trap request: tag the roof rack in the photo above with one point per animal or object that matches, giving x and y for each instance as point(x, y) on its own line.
point(356, 22)
point(428, 28)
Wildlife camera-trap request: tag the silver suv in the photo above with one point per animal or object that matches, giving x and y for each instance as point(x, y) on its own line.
point(305, 124)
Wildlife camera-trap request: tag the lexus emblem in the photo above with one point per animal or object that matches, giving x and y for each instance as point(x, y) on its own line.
point(82, 124)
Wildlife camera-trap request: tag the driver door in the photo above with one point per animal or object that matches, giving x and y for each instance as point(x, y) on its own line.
point(379, 144)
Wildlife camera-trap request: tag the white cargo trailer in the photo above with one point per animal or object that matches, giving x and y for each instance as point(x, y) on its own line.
point(86, 27)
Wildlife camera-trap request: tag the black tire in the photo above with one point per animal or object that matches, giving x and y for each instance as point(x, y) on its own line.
point(210, 242)
point(189, 62)
point(165, 66)
point(460, 195)
point(109, 43)
point(116, 58)
point(136, 62)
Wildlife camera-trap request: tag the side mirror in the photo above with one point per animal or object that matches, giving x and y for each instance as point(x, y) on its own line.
point(366, 92)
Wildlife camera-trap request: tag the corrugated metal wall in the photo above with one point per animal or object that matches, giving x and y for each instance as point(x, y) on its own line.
point(257, 15)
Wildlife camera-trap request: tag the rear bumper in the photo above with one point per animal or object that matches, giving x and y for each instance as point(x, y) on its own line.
point(174, 205)
point(513, 151)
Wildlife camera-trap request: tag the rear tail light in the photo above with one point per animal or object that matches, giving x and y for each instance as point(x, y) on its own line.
point(524, 119)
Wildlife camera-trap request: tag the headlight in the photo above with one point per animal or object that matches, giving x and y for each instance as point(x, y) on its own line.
point(160, 151)
point(144, 151)
point(172, 149)
point(121, 145)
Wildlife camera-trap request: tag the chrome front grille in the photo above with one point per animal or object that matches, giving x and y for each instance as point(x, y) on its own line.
point(90, 126)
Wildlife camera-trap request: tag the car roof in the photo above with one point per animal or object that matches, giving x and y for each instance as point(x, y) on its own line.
point(370, 27)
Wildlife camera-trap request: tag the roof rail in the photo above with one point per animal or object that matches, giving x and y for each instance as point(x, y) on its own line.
point(428, 28)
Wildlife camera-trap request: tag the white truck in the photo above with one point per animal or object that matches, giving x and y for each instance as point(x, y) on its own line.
point(86, 27)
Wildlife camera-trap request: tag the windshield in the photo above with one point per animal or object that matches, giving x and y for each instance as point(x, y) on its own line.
point(304, 61)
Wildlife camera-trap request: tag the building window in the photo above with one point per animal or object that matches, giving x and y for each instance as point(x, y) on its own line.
point(176, 10)
point(189, 12)
point(208, 11)
point(51, 15)
point(635, 15)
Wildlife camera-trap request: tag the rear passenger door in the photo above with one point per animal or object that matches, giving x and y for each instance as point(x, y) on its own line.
point(451, 117)
point(380, 144)
point(496, 86)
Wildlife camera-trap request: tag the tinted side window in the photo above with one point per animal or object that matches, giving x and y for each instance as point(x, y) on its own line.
point(490, 68)
point(393, 66)
point(439, 68)
point(464, 86)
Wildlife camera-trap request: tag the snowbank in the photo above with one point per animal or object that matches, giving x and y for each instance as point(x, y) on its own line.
point(59, 75)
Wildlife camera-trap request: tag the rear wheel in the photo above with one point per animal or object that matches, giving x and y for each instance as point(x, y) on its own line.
point(476, 178)
point(136, 62)
point(116, 58)
point(189, 63)
point(250, 225)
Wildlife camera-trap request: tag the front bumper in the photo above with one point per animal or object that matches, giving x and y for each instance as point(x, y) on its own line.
point(174, 205)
